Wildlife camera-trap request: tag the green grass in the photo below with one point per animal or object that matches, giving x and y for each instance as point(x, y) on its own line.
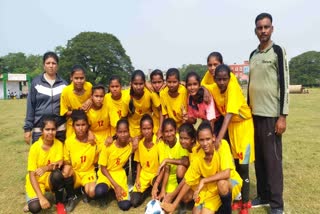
point(301, 159)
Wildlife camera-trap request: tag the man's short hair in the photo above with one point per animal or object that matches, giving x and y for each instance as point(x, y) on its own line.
point(262, 16)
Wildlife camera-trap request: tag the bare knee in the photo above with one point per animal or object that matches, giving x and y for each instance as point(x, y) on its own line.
point(90, 189)
point(187, 197)
point(223, 187)
point(181, 170)
point(67, 171)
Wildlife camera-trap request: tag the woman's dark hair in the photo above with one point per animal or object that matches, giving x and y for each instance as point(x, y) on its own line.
point(77, 68)
point(136, 73)
point(47, 118)
point(198, 98)
point(193, 74)
point(189, 129)
point(173, 72)
point(50, 54)
point(221, 68)
point(122, 121)
point(168, 121)
point(78, 115)
point(155, 73)
point(216, 55)
point(146, 117)
point(114, 77)
point(97, 87)
point(205, 124)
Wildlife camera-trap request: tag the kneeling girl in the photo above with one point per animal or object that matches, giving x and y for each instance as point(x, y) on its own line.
point(111, 174)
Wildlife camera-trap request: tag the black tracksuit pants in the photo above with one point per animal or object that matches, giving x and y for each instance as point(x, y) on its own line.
point(268, 163)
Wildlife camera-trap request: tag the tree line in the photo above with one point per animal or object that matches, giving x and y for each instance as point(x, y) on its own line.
point(102, 55)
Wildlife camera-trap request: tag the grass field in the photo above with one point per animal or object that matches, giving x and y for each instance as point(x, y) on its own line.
point(301, 149)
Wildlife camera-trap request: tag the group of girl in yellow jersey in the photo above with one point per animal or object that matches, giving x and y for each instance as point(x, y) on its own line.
point(154, 126)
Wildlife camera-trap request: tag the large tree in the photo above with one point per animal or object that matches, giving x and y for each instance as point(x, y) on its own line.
point(200, 69)
point(20, 63)
point(101, 54)
point(305, 69)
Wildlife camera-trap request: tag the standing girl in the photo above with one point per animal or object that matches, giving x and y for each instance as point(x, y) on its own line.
point(157, 83)
point(197, 107)
point(98, 116)
point(141, 102)
point(79, 160)
point(44, 160)
point(174, 98)
point(238, 122)
point(213, 60)
point(117, 102)
point(75, 95)
point(111, 161)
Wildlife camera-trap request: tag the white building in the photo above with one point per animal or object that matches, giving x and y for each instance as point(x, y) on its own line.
point(14, 86)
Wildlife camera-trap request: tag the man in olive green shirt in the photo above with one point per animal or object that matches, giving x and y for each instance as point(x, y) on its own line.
point(268, 99)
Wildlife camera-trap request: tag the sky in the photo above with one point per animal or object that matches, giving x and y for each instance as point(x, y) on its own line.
point(160, 34)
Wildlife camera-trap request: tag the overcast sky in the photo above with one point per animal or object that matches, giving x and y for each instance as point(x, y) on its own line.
point(163, 33)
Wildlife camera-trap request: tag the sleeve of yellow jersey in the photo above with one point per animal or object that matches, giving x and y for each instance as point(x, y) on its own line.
point(183, 152)
point(161, 149)
point(207, 79)
point(103, 156)
point(192, 175)
point(59, 150)
point(66, 152)
point(32, 158)
point(163, 103)
point(64, 101)
point(88, 86)
point(136, 153)
point(155, 100)
point(234, 98)
point(225, 155)
point(125, 99)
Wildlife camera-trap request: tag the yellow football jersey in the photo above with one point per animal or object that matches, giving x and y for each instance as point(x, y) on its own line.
point(39, 158)
point(231, 101)
point(148, 158)
point(116, 108)
point(174, 107)
point(99, 124)
point(199, 168)
point(176, 152)
point(70, 101)
point(208, 79)
point(113, 157)
point(156, 115)
point(240, 129)
point(142, 106)
point(80, 155)
point(194, 152)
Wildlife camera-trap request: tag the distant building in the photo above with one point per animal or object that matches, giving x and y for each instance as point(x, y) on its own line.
point(241, 71)
point(14, 86)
